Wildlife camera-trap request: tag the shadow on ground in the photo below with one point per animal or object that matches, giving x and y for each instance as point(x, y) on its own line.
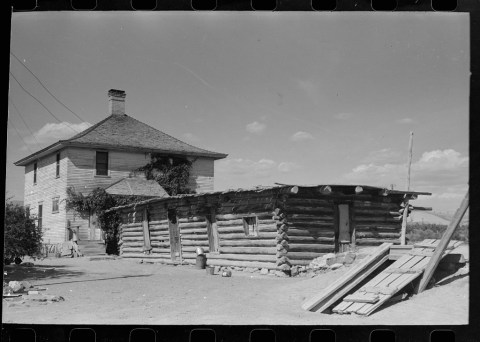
point(44, 272)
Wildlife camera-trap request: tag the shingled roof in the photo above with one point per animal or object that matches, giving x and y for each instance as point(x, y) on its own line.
point(122, 132)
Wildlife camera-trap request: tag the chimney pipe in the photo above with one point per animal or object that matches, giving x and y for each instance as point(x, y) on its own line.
point(116, 102)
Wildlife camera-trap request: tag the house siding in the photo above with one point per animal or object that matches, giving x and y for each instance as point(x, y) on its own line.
point(48, 186)
point(201, 175)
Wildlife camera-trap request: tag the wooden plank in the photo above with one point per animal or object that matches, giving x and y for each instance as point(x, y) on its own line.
point(241, 263)
point(379, 290)
point(430, 269)
point(244, 257)
point(428, 253)
point(315, 302)
point(367, 298)
point(402, 270)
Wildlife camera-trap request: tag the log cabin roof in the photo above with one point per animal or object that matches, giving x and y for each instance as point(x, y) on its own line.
point(122, 132)
point(137, 187)
point(346, 190)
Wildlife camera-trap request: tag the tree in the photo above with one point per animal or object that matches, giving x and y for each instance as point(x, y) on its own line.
point(22, 236)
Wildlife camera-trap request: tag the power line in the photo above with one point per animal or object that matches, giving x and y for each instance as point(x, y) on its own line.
point(44, 87)
point(11, 122)
point(25, 90)
point(21, 117)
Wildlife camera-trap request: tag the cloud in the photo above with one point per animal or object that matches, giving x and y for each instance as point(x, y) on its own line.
point(240, 167)
point(286, 167)
point(190, 137)
point(444, 173)
point(57, 131)
point(384, 155)
point(405, 121)
point(343, 116)
point(256, 127)
point(301, 136)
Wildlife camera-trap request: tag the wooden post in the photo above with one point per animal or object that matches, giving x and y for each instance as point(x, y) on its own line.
point(437, 255)
point(405, 212)
point(147, 246)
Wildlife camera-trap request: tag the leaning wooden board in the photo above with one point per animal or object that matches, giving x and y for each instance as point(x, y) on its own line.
point(391, 280)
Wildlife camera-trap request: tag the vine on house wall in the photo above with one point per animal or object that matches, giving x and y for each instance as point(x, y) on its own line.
point(172, 173)
point(97, 202)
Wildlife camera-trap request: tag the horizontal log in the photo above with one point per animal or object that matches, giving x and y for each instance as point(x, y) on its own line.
point(158, 222)
point(142, 256)
point(133, 225)
point(126, 249)
point(193, 249)
point(158, 228)
point(248, 250)
point(307, 255)
point(245, 257)
point(154, 244)
point(317, 232)
point(310, 239)
point(187, 225)
point(230, 223)
point(132, 234)
point(193, 231)
point(308, 218)
point(304, 247)
point(131, 229)
point(261, 235)
point(371, 204)
point(192, 219)
point(199, 243)
point(300, 262)
point(302, 201)
point(194, 237)
point(249, 243)
point(241, 229)
point(374, 234)
point(376, 212)
point(126, 239)
point(243, 210)
point(311, 224)
point(241, 263)
point(375, 242)
point(307, 210)
point(374, 219)
point(228, 217)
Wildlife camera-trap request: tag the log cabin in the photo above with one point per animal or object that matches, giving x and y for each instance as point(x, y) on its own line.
point(102, 156)
point(264, 227)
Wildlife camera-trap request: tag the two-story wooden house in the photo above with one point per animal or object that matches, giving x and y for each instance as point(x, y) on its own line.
point(100, 156)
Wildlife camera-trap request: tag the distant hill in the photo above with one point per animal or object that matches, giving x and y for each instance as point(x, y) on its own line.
point(433, 217)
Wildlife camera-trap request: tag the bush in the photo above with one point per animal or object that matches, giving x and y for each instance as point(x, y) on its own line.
point(421, 231)
point(22, 237)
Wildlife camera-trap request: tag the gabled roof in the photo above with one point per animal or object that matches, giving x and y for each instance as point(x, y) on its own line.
point(137, 187)
point(122, 132)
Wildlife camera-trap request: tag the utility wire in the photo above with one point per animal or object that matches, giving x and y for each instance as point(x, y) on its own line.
point(21, 117)
point(25, 90)
point(44, 87)
point(11, 122)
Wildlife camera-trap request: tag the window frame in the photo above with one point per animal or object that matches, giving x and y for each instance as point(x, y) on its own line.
point(57, 166)
point(56, 200)
point(250, 228)
point(107, 164)
point(35, 173)
point(40, 215)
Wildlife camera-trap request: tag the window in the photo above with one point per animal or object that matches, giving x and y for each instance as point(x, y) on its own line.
point(39, 215)
point(250, 225)
point(101, 165)
point(35, 173)
point(58, 166)
point(27, 211)
point(55, 205)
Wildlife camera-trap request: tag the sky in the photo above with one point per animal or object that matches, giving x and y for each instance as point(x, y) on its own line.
point(291, 97)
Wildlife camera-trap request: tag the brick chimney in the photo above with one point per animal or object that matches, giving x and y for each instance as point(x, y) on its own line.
point(116, 102)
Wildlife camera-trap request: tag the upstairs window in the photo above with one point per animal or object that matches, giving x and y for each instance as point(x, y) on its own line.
point(101, 164)
point(250, 225)
point(57, 173)
point(35, 167)
point(40, 215)
point(55, 205)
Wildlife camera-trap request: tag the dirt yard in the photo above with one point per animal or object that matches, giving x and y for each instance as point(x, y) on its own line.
point(126, 292)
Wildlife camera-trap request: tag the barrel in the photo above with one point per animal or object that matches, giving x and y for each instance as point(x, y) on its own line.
point(201, 262)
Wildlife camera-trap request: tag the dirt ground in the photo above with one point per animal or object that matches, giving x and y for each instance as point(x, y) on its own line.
point(126, 292)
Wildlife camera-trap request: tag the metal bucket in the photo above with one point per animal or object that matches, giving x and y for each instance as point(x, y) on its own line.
point(210, 270)
point(201, 262)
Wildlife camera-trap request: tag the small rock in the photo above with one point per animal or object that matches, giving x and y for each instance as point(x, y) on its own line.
point(250, 269)
point(264, 271)
point(336, 266)
point(26, 284)
point(226, 273)
point(349, 258)
point(294, 271)
point(16, 286)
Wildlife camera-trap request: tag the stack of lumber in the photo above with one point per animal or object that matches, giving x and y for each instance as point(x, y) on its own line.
point(242, 250)
point(355, 275)
point(391, 280)
point(311, 231)
point(376, 223)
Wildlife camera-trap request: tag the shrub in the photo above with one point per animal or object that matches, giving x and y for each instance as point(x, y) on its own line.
point(421, 231)
point(22, 237)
